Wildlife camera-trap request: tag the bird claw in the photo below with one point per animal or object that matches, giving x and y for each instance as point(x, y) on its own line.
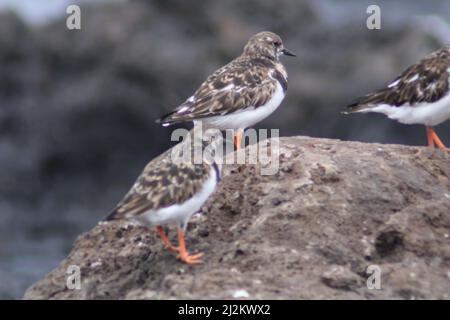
point(190, 259)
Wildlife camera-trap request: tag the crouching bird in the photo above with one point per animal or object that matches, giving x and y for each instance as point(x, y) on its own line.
point(420, 95)
point(169, 192)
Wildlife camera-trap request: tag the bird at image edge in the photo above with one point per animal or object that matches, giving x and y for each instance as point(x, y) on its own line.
point(241, 93)
point(420, 95)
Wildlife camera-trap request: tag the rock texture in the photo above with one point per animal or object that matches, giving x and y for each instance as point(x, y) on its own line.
point(309, 231)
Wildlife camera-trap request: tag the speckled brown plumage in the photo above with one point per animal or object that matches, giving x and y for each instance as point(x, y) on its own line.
point(171, 188)
point(249, 81)
point(426, 81)
point(160, 186)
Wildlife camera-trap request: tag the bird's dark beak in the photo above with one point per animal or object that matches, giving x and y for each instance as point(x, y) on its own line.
point(286, 52)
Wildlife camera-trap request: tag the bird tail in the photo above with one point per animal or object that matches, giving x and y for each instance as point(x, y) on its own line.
point(111, 215)
point(367, 102)
point(180, 114)
point(355, 107)
point(165, 120)
point(172, 118)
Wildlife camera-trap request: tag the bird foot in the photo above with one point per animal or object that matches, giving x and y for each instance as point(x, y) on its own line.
point(190, 258)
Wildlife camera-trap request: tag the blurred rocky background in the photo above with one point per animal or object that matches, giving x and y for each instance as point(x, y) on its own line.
point(77, 108)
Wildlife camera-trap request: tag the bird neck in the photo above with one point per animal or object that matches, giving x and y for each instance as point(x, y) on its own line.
point(253, 54)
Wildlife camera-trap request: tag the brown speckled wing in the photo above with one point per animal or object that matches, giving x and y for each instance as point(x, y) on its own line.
point(241, 84)
point(161, 186)
point(426, 81)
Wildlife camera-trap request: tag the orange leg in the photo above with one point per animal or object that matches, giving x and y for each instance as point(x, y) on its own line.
point(183, 254)
point(430, 137)
point(432, 134)
point(237, 139)
point(166, 240)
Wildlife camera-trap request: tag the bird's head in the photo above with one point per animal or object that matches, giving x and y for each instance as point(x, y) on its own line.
point(266, 44)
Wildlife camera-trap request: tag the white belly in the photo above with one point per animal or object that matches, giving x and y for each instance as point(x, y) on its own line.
point(181, 212)
point(429, 114)
point(249, 117)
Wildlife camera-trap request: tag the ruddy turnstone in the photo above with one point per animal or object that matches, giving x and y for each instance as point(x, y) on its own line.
point(420, 95)
point(241, 93)
point(169, 192)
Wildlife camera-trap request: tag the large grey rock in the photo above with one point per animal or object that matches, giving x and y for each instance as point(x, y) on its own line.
point(309, 231)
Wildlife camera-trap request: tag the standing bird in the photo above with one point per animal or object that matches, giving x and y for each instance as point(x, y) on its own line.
point(241, 93)
point(169, 192)
point(420, 95)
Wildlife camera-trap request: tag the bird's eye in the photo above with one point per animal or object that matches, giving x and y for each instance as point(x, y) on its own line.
point(277, 43)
